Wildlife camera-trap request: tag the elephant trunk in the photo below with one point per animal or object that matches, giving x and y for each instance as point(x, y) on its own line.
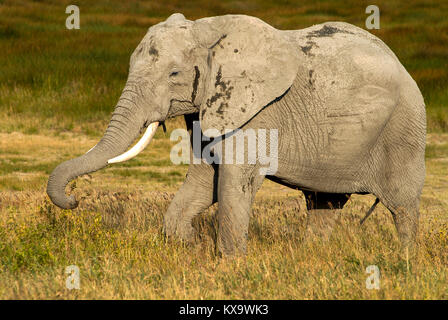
point(126, 124)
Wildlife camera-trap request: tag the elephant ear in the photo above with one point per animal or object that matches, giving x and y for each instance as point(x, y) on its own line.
point(250, 64)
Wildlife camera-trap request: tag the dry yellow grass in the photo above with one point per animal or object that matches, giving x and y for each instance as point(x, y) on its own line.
point(115, 237)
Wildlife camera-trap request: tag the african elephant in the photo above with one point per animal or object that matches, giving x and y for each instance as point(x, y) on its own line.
point(349, 117)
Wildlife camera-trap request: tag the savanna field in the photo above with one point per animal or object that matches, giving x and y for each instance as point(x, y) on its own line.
point(58, 88)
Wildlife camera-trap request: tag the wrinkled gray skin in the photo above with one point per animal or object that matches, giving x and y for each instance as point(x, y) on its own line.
point(350, 118)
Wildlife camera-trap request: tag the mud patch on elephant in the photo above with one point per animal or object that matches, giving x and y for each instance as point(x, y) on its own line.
point(326, 31)
point(195, 83)
point(219, 81)
point(203, 113)
point(219, 42)
point(153, 51)
point(225, 86)
point(223, 94)
point(311, 80)
point(221, 107)
point(307, 49)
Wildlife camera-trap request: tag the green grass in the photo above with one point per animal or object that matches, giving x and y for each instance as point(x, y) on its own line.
point(58, 88)
point(436, 151)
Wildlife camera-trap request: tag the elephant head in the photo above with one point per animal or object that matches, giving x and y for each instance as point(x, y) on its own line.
point(225, 68)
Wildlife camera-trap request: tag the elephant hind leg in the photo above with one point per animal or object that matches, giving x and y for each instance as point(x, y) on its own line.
point(399, 191)
point(399, 188)
point(323, 209)
point(399, 160)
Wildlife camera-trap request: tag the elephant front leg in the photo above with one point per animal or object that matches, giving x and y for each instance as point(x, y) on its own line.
point(236, 191)
point(196, 194)
point(323, 209)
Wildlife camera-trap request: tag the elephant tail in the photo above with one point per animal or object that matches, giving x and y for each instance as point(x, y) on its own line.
point(369, 212)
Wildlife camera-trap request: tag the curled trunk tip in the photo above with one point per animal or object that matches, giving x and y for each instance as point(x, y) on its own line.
point(57, 183)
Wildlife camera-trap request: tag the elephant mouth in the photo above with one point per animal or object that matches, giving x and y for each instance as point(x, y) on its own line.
point(162, 123)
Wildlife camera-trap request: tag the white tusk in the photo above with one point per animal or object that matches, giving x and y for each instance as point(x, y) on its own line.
point(141, 144)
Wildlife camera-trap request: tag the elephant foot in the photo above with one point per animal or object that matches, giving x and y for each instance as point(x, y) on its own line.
point(231, 245)
point(180, 231)
point(406, 223)
point(182, 235)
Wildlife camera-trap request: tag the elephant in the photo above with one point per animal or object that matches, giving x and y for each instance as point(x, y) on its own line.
point(349, 120)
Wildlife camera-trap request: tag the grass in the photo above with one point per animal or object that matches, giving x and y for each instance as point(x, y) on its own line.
point(57, 91)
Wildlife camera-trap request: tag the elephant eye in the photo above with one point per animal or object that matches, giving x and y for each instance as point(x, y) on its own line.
point(174, 73)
